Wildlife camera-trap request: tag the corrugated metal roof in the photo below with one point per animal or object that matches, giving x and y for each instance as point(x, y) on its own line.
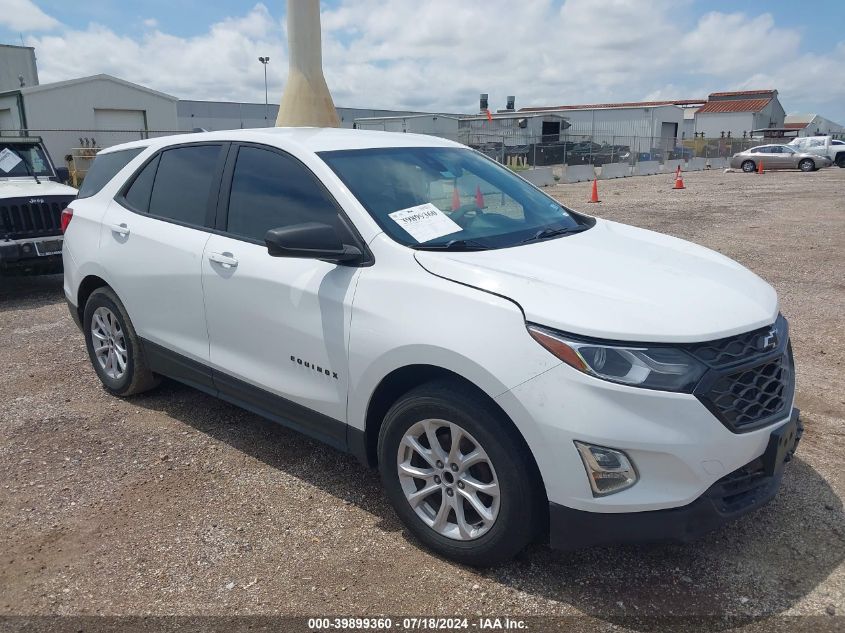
point(735, 105)
point(744, 93)
point(627, 104)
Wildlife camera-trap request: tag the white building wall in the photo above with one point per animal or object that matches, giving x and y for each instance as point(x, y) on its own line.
point(222, 115)
point(9, 115)
point(63, 113)
point(639, 128)
point(17, 61)
point(816, 126)
point(713, 124)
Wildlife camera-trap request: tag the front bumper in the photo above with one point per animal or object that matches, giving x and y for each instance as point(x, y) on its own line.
point(732, 496)
point(32, 256)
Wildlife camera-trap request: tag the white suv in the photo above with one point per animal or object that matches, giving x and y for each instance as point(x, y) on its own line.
point(514, 368)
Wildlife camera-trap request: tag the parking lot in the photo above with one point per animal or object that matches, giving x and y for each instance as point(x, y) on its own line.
point(176, 503)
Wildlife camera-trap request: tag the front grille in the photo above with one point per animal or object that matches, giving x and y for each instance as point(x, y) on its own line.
point(748, 396)
point(740, 348)
point(20, 218)
point(752, 378)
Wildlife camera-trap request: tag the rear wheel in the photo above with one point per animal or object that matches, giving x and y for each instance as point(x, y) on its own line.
point(114, 347)
point(840, 159)
point(807, 164)
point(458, 475)
point(749, 166)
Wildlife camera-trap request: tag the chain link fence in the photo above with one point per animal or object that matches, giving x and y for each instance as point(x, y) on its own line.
point(74, 149)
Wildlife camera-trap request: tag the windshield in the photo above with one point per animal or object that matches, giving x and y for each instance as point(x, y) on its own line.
point(427, 197)
point(14, 158)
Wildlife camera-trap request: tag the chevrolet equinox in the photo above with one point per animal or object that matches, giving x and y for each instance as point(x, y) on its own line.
point(515, 370)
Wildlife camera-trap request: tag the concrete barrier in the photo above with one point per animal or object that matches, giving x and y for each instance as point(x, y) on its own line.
point(615, 170)
point(717, 163)
point(646, 168)
point(670, 166)
point(539, 176)
point(578, 173)
point(696, 164)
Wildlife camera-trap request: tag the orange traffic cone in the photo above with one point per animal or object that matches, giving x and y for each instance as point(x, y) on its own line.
point(456, 199)
point(679, 179)
point(594, 197)
point(760, 169)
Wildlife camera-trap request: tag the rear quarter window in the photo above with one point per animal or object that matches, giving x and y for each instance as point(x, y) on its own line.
point(104, 168)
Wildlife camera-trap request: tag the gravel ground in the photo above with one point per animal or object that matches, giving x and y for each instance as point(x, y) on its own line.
point(175, 503)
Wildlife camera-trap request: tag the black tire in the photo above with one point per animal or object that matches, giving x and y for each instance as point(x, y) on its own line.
point(522, 498)
point(840, 159)
point(137, 378)
point(807, 164)
point(749, 167)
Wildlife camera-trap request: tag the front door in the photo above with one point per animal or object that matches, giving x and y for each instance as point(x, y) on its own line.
point(278, 327)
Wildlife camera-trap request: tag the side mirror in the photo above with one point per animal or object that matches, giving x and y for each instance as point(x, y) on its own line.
point(311, 240)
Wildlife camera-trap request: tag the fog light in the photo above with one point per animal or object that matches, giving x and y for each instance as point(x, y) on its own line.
point(608, 470)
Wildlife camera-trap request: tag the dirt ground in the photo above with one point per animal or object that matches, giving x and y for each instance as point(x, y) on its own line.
point(176, 503)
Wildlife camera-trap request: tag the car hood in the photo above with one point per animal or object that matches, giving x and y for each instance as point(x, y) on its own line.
point(28, 187)
point(618, 282)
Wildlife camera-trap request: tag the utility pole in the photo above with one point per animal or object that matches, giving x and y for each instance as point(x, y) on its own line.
point(265, 61)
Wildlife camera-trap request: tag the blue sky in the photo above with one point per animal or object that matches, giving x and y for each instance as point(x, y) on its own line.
point(439, 54)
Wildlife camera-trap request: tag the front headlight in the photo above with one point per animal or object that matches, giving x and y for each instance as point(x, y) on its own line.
point(664, 368)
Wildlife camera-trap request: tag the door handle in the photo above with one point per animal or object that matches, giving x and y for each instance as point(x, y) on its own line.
point(227, 260)
point(120, 229)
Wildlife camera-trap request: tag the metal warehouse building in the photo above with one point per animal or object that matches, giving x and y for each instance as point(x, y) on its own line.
point(813, 125)
point(228, 115)
point(101, 110)
point(641, 125)
point(739, 113)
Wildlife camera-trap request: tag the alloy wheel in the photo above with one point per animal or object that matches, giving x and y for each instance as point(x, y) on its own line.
point(448, 479)
point(109, 343)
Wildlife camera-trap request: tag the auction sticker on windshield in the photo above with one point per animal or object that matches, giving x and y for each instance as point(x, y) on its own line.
point(8, 160)
point(425, 222)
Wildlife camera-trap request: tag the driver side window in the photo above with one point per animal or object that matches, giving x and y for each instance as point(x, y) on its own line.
point(272, 190)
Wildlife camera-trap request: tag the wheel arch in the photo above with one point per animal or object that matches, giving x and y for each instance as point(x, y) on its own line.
point(87, 286)
point(364, 444)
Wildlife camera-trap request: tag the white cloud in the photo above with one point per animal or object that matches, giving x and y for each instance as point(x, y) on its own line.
point(439, 54)
point(220, 64)
point(23, 15)
point(150, 23)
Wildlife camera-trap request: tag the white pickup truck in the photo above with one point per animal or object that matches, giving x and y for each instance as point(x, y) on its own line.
point(31, 204)
point(823, 146)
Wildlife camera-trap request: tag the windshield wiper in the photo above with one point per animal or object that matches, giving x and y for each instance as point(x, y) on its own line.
point(543, 234)
point(454, 245)
point(29, 169)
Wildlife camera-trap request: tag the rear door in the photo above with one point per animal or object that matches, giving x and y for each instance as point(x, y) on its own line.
point(278, 327)
point(152, 242)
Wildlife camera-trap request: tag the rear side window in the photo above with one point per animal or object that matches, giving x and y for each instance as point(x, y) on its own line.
point(104, 168)
point(270, 191)
point(183, 183)
point(139, 192)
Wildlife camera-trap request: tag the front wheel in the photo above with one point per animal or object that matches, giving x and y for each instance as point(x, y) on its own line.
point(458, 475)
point(807, 164)
point(749, 166)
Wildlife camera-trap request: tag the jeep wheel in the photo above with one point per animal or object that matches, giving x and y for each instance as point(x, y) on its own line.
point(457, 475)
point(113, 346)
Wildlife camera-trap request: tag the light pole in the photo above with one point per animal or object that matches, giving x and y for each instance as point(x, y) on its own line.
point(265, 61)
